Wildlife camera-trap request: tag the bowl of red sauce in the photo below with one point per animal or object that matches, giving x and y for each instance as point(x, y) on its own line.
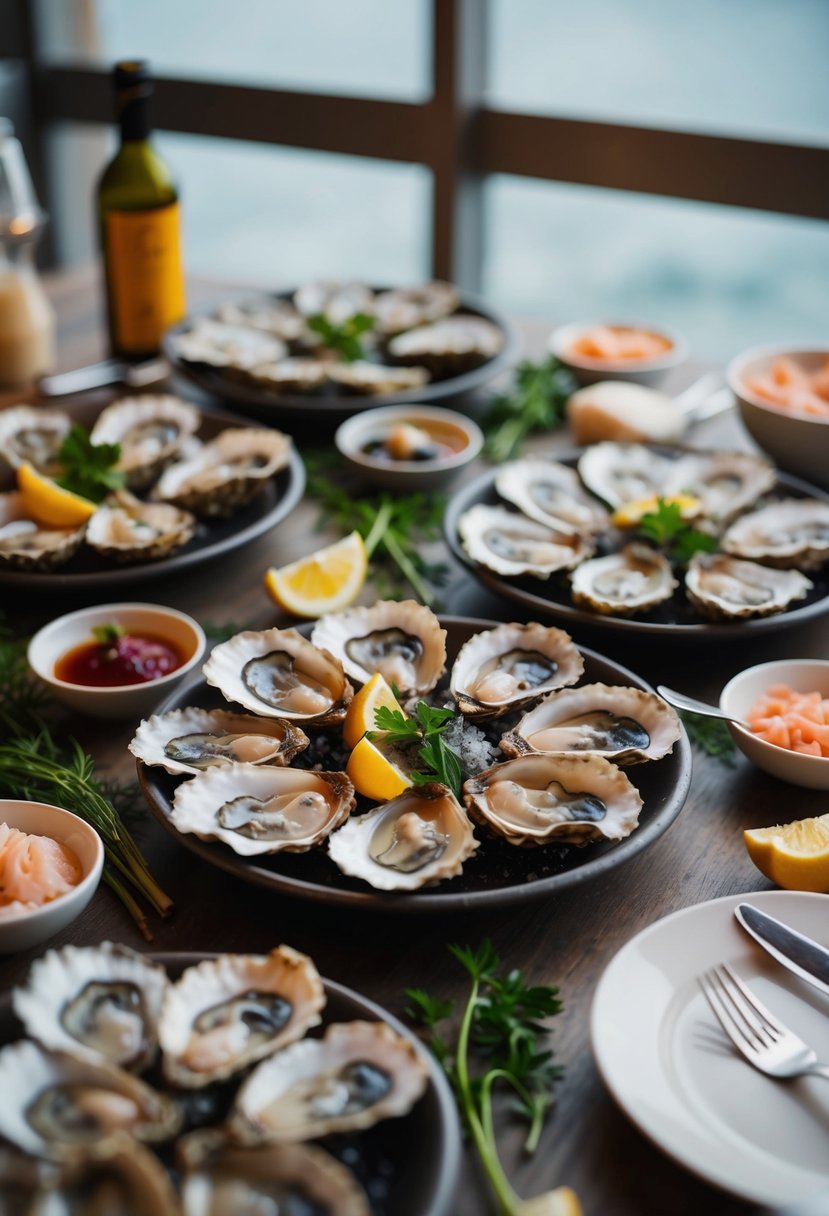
point(117, 660)
point(615, 350)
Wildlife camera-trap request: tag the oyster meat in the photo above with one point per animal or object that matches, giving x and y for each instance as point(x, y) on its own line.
point(619, 473)
point(25, 545)
point(362, 377)
point(724, 482)
point(512, 544)
point(150, 430)
point(416, 839)
point(726, 588)
point(33, 435)
point(273, 316)
point(233, 347)
point(356, 1075)
point(226, 473)
point(190, 740)
point(402, 640)
point(625, 725)
point(296, 375)
point(126, 529)
point(633, 580)
point(278, 673)
point(407, 307)
point(543, 798)
point(448, 347)
point(498, 669)
point(553, 494)
point(226, 1013)
point(337, 302)
point(790, 534)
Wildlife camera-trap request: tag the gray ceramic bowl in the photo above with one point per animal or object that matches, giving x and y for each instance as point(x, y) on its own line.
point(453, 428)
point(637, 371)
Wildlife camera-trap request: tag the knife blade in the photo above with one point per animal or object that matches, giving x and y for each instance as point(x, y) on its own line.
point(804, 957)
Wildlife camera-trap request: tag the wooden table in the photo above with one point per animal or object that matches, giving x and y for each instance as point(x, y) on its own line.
point(588, 1143)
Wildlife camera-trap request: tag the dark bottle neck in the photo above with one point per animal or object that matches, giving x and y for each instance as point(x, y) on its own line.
point(132, 105)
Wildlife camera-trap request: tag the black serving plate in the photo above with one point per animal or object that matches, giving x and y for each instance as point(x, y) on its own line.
point(281, 408)
point(549, 599)
point(499, 874)
point(408, 1166)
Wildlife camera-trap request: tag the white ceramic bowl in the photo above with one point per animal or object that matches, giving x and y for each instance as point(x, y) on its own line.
point(738, 696)
point(22, 930)
point(359, 430)
point(636, 371)
point(798, 443)
point(126, 700)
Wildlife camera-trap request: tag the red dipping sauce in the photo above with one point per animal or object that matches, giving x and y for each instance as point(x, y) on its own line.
point(125, 658)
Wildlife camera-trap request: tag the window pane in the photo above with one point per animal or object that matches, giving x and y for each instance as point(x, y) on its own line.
point(743, 66)
point(726, 278)
point(253, 213)
point(365, 47)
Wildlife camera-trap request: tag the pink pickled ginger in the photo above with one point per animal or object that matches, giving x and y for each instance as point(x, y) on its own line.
point(34, 870)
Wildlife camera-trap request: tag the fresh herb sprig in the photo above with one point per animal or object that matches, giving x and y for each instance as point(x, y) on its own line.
point(502, 1026)
point(425, 728)
point(88, 468)
point(342, 337)
point(677, 538)
point(711, 736)
point(536, 403)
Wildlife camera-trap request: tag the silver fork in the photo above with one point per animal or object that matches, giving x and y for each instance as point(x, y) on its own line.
point(757, 1034)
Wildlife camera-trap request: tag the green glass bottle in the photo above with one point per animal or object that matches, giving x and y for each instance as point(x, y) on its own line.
point(138, 209)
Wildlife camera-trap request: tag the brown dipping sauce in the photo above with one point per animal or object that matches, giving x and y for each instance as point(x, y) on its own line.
point(416, 442)
point(131, 658)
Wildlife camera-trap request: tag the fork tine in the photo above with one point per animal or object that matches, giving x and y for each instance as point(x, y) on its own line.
point(754, 1002)
point(722, 1013)
point(740, 1009)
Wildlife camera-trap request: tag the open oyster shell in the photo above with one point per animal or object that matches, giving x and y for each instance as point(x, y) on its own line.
point(512, 544)
point(259, 808)
point(226, 1013)
point(790, 534)
point(401, 639)
point(356, 1075)
point(55, 1103)
point(625, 725)
point(448, 347)
point(413, 841)
point(498, 669)
point(97, 1002)
point(726, 588)
point(407, 307)
point(619, 473)
point(25, 545)
point(277, 673)
point(633, 580)
point(226, 473)
point(224, 1179)
point(33, 435)
point(193, 739)
point(297, 375)
point(115, 1177)
point(364, 378)
point(336, 301)
point(553, 494)
point(150, 430)
point(126, 529)
point(273, 316)
point(724, 482)
point(234, 347)
point(542, 799)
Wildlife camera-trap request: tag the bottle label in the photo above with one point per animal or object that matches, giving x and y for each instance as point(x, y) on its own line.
point(145, 276)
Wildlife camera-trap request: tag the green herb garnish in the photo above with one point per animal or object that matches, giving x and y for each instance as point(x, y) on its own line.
point(502, 1026)
point(710, 735)
point(108, 635)
point(426, 727)
point(343, 337)
point(89, 468)
point(536, 403)
point(674, 535)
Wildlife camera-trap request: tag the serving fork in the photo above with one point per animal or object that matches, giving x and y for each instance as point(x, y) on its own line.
point(758, 1035)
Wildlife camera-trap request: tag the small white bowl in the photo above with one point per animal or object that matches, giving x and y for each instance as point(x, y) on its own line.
point(359, 430)
point(23, 929)
point(636, 371)
point(798, 443)
point(124, 700)
point(738, 696)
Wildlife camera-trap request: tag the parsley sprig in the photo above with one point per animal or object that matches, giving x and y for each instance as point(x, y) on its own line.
point(88, 468)
point(425, 729)
point(536, 403)
point(503, 1030)
point(343, 337)
point(678, 539)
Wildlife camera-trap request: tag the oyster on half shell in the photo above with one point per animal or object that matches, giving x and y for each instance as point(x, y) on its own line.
point(401, 639)
point(128, 530)
point(498, 669)
point(226, 473)
point(724, 482)
point(150, 430)
point(449, 347)
point(553, 494)
point(33, 435)
point(790, 534)
point(723, 587)
point(619, 473)
point(115, 1177)
point(25, 545)
point(190, 740)
point(633, 580)
point(512, 544)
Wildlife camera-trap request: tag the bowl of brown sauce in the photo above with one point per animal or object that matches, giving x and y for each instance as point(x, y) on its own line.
point(409, 447)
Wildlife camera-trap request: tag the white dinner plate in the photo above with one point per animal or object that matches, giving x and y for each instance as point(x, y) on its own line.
point(668, 1064)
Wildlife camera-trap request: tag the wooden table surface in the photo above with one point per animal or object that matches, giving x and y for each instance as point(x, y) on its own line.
point(587, 1143)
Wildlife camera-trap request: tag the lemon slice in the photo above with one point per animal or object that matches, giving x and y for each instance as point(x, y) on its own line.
point(49, 504)
point(360, 716)
point(325, 581)
point(795, 855)
point(629, 515)
point(373, 774)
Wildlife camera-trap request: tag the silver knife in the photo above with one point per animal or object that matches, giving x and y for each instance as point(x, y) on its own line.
point(111, 371)
point(794, 950)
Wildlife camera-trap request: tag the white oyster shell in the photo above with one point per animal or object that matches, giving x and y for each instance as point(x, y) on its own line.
point(362, 377)
point(356, 1075)
point(226, 473)
point(625, 725)
point(235, 347)
point(273, 316)
point(623, 472)
point(413, 841)
point(498, 669)
point(278, 673)
point(25, 545)
point(727, 588)
point(791, 533)
point(262, 808)
point(401, 639)
point(553, 494)
point(451, 346)
point(543, 798)
point(512, 544)
point(126, 529)
point(193, 739)
point(633, 580)
point(150, 430)
point(292, 375)
point(724, 482)
point(33, 435)
point(97, 1002)
point(335, 301)
point(226, 1013)
point(115, 1177)
point(407, 307)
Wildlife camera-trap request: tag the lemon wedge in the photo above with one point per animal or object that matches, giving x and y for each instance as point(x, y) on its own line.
point(373, 774)
point(794, 855)
point(628, 516)
point(325, 581)
point(49, 504)
point(360, 717)
point(561, 1202)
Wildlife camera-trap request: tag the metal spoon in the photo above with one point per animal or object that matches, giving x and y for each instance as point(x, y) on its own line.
point(680, 701)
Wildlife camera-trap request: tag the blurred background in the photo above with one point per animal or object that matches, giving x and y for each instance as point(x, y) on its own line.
point(479, 201)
